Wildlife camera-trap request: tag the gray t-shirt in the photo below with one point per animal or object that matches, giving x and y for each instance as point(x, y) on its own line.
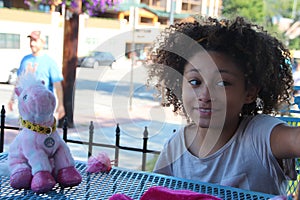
point(245, 161)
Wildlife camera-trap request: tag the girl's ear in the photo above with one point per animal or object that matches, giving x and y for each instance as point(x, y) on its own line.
point(251, 96)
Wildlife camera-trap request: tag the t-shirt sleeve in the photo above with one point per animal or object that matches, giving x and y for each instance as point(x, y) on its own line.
point(166, 158)
point(261, 130)
point(163, 166)
point(55, 72)
point(22, 67)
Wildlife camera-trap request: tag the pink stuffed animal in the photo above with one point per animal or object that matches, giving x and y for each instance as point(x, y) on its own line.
point(38, 157)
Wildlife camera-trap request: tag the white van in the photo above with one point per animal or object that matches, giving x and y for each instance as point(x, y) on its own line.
point(8, 75)
point(8, 68)
point(10, 55)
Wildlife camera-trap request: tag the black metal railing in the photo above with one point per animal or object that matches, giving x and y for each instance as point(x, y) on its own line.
point(3, 126)
point(90, 143)
point(117, 147)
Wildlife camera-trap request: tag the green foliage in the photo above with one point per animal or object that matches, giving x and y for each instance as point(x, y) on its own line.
point(295, 43)
point(282, 8)
point(252, 10)
point(262, 12)
point(151, 163)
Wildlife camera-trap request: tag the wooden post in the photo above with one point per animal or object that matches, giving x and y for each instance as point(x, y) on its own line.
point(71, 29)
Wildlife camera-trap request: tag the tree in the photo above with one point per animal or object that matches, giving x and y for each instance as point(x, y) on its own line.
point(252, 10)
point(263, 12)
point(284, 8)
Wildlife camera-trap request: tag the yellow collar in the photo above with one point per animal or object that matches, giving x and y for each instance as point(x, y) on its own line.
point(38, 128)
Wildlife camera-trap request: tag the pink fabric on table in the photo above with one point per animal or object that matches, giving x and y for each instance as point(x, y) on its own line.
point(164, 193)
point(120, 197)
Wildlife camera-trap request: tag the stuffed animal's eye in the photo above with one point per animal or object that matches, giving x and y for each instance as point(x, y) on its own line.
point(25, 97)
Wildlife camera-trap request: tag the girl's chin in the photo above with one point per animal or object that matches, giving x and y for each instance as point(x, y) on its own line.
point(209, 123)
point(203, 123)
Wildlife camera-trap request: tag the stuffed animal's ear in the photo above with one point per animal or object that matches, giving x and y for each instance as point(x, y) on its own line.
point(18, 90)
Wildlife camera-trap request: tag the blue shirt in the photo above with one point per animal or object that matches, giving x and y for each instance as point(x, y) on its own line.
point(44, 67)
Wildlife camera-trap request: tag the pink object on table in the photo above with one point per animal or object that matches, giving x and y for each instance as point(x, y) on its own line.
point(100, 163)
point(120, 197)
point(164, 193)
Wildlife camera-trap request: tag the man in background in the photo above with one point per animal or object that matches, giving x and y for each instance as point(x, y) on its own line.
point(45, 69)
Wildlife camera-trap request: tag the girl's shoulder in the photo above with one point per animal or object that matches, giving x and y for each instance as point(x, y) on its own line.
point(259, 126)
point(178, 140)
point(178, 134)
point(263, 120)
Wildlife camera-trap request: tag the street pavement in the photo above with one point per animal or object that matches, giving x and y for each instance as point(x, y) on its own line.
point(106, 97)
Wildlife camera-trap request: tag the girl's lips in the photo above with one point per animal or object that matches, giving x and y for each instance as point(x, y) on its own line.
point(205, 111)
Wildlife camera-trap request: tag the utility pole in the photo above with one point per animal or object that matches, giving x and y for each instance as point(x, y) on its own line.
point(132, 54)
point(70, 46)
point(294, 9)
point(172, 10)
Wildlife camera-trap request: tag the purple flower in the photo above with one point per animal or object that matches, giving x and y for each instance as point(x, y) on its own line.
point(92, 7)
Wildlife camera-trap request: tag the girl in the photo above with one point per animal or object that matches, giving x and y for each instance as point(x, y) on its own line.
point(228, 78)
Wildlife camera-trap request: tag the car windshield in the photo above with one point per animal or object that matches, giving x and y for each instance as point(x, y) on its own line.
point(102, 54)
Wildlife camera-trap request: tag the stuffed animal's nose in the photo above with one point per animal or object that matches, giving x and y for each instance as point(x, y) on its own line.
point(46, 102)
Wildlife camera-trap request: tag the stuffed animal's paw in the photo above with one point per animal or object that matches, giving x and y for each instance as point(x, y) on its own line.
point(21, 179)
point(42, 182)
point(68, 177)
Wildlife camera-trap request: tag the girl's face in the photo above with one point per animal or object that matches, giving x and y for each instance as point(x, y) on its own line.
point(213, 90)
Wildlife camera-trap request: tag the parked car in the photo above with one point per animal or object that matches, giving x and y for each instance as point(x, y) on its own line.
point(95, 59)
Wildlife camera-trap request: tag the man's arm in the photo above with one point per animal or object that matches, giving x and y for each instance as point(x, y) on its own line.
point(12, 98)
point(11, 101)
point(60, 110)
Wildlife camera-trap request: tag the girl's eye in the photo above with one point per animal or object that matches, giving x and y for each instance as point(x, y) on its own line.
point(195, 82)
point(25, 97)
point(223, 83)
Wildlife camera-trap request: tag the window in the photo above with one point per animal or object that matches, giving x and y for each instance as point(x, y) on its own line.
point(46, 46)
point(146, 20)
point(9, 41)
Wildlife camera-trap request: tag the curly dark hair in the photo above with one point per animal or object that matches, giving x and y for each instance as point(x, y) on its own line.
point(262, 58)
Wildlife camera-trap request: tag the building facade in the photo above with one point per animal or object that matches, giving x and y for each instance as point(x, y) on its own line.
point(135, 24)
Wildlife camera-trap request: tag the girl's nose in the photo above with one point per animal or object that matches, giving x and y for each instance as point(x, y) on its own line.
point(204, 94)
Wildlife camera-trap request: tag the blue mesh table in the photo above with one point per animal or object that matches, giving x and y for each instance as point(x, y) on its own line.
point(129, 182)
